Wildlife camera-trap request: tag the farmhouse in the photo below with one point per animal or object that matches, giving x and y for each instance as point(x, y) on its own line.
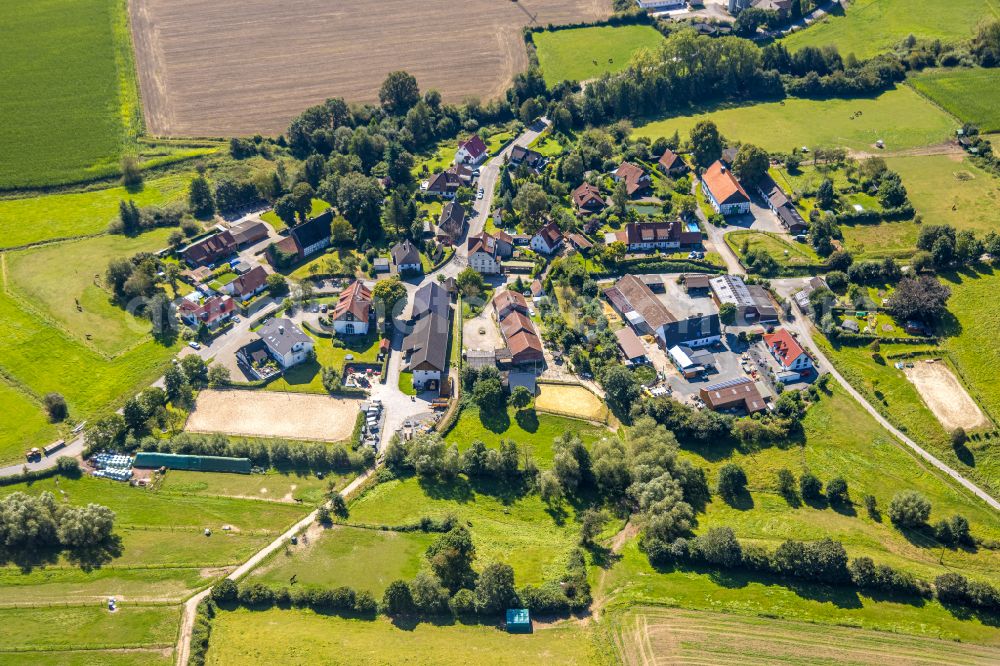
point(210, 250)
point(286, 342)
point(211, 311)
point(430, 299)
point(353, 310)
point(451, 226)
point(406, 257)
point(724, 192)
point(647, 314)
point(425, 351)
point(787, 351)
point(518, 331)
point(587, 199)
point(313, 235)
point(636, 179)
point(671, 164)
point(548, 239)
point(753, 304)
point(631, 346)
point(509, 301)
point(530, 158)
point(781, 206)
point(487, 252)
point(247, 285)
point(247, 233)
point(471, 151)
point(740, 393)
point(648, 236)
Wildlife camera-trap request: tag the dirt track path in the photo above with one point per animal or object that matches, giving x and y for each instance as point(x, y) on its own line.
point(946, 148)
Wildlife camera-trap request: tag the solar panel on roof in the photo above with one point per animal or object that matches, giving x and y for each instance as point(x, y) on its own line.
point(728, 384)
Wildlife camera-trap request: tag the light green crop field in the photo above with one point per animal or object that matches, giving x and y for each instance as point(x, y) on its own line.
point(841, 439)
point(64, 281)
point(360, 558)
point(900, 117)
point(786, 253)
point(642, 635)
point(69, 102)
point(972, 95)
point(870, 27)
point(580, 54)
point(88, 626)
point(25, 424)
point(533, 431)
point(52, 216)
point(302, 636)
point(507, 525)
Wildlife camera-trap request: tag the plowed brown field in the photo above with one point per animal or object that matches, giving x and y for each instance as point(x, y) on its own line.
point(237, 67)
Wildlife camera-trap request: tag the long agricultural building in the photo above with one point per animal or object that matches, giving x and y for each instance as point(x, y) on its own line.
point(649, 315)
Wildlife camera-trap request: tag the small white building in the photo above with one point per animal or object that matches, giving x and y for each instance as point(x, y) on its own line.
point(286, 342)
point(548, 239)
point(471, 151)
point(662, 5)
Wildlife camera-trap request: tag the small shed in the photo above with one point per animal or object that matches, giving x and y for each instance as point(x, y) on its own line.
point(518, 621)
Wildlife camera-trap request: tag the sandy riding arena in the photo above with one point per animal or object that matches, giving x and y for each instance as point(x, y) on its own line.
point(570, 400)
point(945, 396)
point(274, 415)
point(230, 67)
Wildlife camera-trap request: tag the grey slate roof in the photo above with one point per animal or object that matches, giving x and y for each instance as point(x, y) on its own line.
point(281, 335)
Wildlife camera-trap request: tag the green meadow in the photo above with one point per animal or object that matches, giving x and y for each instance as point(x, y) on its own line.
point(870, 27)
point(88, 657)
point(786, 253)
point(90, 626)
point(900, 117)
point(972, 95)
point(25, 424)
point(580, 54)
point(66, 215)
point(69, 101)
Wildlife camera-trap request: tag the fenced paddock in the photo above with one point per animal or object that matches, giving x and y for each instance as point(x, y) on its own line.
point(945, 396)
point(570, 400)
point(270, 414)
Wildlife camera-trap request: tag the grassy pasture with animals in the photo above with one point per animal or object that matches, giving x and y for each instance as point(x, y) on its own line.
point(69, 98)
point(651, 635)
point(972, 95)
point(900, 117)
point(303, 636)
point(360, 558)
point(580, 54)
point(869, 27)
point(67, 215)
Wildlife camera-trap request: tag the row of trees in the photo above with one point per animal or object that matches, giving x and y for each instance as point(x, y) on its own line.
point(32, 524)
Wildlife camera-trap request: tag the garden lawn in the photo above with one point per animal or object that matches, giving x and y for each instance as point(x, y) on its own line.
point(349, 556)
point(303, 636)
point(869, 27)
point(784, 252)
point(64, 281)
point(65, 215)
point(547, 145)
point(841, 439)
point(318, 206)
point(69, 99)
point(307, 377)
point(508, 525)
point(25, 425)
point(405, 383)
point(900, 117)
point(88, 627)
point(972, 95)
point(531, 430)
point(580, 54)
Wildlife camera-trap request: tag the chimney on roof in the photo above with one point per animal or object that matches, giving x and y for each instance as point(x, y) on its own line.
point(722, 168)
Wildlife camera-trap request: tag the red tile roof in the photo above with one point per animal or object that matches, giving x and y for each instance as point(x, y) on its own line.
point(634, 176)
point(509, 299)
point(250, 281)
point(474, 145)
point(784, 346)
point(211, 310)
point(356, 299)
point(660, 232)
point(670, 160)
point(723, 185)
point(588, 196)
point(551, 234)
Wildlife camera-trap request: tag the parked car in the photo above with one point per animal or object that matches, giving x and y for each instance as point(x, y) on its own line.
point(194, 345)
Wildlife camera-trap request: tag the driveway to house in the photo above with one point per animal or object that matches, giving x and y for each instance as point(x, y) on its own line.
point(803, 327)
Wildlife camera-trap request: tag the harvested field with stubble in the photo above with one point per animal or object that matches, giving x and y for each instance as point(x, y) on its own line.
point(232, 67)
point(266, 414)
point(647, 636)
point(945, 396)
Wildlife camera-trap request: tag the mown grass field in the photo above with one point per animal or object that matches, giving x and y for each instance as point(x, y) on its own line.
point(64, 281)
point(275, 485)
point(900, 117)
point(360, 558)
point(840, 439)
point(147, 657)
point(51, 216)
point(69, 99)
point(580, 54)
point(532, 431)
point(870, 27)
point(278, 636)
point(25, 424)
point(786, 253)
point(972, 95)
point(88, 626)
point(647, 635)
